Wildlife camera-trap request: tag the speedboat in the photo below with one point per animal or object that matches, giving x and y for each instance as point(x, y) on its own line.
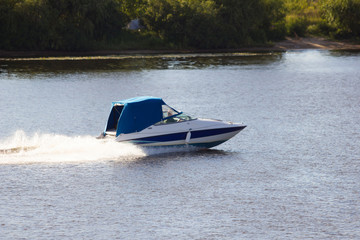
point(149, 121)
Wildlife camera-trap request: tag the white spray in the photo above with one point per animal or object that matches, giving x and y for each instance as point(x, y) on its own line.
point(54, 148)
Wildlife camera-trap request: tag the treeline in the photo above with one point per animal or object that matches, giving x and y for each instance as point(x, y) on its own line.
point(214, 23)
point(203, 24)
point(58, 24)
point(332, 18)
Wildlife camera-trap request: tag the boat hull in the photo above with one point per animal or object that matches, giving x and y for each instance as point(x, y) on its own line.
point(198, 133)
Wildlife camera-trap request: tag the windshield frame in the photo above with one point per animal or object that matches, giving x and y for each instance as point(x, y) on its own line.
point(185, 118)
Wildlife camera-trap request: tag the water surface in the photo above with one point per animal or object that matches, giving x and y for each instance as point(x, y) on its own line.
point(293, 173)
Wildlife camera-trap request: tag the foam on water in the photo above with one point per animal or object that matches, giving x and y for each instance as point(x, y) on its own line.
point(54, 148)
point(21, 148)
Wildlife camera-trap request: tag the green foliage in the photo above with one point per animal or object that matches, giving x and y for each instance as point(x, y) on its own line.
point(84, 24)
point(344, 15)
point(302, 15)
point(321, 28)
point(58, 24)
point(297, 7)
point(133, 8)
point(87, 24)
point(215, 23)
point(183, 23)
point(202, 24)
point(296, 26)
point(242, 21)
point(334, 18)
point(274, 19)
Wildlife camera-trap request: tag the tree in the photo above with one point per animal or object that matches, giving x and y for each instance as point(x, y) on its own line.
point(58, 24)
point(344, 15)
point(274, 19)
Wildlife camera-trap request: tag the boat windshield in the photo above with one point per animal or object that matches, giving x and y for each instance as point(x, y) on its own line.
point(179, 117)
point(168, 111)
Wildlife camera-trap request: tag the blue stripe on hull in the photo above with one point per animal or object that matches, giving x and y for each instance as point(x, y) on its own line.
point(161, 138)
point(182, 136)
point(213, 132)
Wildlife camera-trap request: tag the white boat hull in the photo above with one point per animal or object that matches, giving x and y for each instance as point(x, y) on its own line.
point(203, 133)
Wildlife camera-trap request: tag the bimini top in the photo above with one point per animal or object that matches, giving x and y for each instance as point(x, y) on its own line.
point(135, 114)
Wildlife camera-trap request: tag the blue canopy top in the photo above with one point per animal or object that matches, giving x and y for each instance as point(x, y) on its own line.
point(140, 99)
point(135, 114)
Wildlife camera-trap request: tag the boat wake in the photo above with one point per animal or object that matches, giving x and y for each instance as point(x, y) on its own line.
point(54, 148)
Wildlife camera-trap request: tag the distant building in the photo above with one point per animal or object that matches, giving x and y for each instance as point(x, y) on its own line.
point(134, 25)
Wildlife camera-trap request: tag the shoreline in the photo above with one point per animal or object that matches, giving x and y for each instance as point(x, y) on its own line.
point(316, 43)
point(289, 44)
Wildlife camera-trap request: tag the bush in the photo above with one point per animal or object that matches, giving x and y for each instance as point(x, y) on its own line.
point(344, 15)
point(321, 28)
point(58, 25)
point(274, 19)
point(90, 24)
point(296, 26)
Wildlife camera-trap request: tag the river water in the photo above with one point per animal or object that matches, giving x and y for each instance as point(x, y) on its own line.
point(293, 173)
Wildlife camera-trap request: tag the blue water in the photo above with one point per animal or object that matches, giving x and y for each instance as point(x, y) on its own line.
point(293, 173)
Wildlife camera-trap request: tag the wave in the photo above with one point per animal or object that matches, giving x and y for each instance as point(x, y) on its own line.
point(54, 148)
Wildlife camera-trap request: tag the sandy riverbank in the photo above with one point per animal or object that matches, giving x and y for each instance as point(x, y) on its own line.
point(315, 43)
point(285, 45)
